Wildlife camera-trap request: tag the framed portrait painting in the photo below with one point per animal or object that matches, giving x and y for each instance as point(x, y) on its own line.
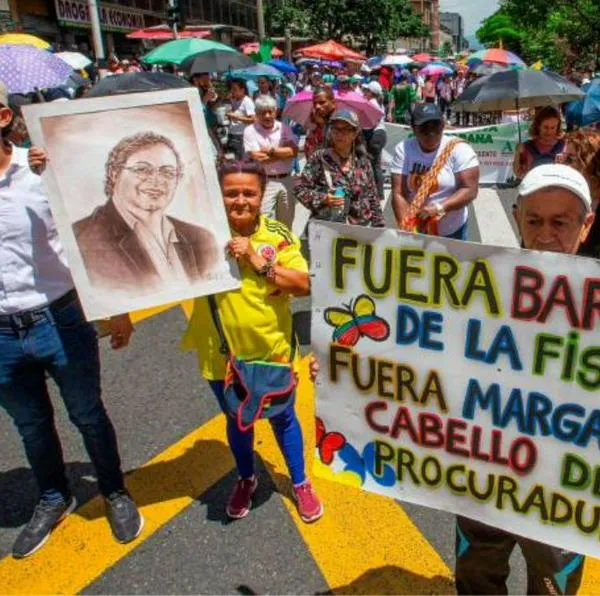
point(135, 195)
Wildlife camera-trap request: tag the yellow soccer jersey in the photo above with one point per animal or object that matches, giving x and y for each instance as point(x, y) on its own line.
point(257, 319)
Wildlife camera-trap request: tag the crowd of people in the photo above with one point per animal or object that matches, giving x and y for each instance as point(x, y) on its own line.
point(434, 178)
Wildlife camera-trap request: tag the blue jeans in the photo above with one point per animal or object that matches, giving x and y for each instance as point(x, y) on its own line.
point(61, 343)
point(461, 234)
point(287, 431)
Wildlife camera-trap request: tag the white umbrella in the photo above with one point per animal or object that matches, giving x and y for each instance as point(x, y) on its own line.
point(396, 60)
point(75, 60)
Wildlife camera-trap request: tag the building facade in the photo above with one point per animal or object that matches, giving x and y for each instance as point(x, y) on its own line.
point(454, 22)
point(67, 22)
point(429, 11)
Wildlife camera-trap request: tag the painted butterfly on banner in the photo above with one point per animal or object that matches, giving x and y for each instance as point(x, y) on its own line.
point(356, 320)
point(328, 442)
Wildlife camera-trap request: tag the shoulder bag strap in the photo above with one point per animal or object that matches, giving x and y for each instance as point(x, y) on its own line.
point(224, 348)
point(214, 311)
point(427, 184)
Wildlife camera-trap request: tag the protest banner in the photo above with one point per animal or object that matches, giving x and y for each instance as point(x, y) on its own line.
point(495, 146)
point(462, 377)
point(134, 191)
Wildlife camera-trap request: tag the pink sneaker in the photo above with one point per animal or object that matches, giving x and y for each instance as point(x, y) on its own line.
point(241, 498)
point(309, 506)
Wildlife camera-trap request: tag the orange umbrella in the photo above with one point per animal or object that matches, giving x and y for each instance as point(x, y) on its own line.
point(331, 50)
point(422, 58)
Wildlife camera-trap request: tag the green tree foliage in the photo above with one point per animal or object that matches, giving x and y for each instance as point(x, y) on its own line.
point(500, 29)
point(446, 49)
point(371, 23)
point(565, 34)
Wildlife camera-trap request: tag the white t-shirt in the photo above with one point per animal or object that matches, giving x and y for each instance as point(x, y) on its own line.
point(381, 126)
point(414, 163)
point(244, 108)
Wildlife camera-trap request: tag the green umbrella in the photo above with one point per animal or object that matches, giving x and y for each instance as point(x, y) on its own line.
point(180, 51)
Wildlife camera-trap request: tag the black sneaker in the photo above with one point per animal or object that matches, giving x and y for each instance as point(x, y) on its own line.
point(36, 533)
point(125, 520)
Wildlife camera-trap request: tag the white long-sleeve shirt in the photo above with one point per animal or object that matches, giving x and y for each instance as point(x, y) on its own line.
point(33, 266)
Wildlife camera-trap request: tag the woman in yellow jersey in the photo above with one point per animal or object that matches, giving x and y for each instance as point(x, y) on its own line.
point(257, 323)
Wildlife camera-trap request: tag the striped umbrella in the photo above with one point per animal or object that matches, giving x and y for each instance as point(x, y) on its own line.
point(437, 69)
point(495, 56)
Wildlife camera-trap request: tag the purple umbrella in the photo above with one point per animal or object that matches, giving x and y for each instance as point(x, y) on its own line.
point(24, 69)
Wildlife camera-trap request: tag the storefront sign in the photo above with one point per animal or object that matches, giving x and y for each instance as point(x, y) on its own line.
point(112, 18)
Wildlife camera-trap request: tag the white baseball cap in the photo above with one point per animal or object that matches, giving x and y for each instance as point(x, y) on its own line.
point(374, 87)
point(557, 175)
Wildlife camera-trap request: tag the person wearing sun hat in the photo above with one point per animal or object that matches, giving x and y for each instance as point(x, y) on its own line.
point(553, 214)
point(337, 183)
point(376, 138)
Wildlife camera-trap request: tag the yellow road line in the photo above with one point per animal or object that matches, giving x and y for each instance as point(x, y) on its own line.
point(364, 544)
point(141, 315)
point(367, 544)
point(82, 548)
point(591, 577)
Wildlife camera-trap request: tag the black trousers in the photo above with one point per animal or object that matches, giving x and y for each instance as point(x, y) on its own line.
point(482, 555)
point(376, 140)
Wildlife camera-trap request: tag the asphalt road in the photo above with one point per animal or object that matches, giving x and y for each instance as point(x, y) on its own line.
point(155, 397)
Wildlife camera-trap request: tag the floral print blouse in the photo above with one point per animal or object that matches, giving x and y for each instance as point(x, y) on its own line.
point(359, 184)
point(315, 140)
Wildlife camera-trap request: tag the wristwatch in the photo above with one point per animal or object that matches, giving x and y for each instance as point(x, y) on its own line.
point(441, 211)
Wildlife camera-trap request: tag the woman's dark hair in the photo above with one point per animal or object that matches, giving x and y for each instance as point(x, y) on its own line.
point(546, 113)
point(240, 83)
point(246, 166)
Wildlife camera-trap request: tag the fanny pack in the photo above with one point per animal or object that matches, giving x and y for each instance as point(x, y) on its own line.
point(254, 389)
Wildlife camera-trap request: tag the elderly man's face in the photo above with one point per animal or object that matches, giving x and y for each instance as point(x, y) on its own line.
point(267, 118)
point(553, 220)
point(148, 181)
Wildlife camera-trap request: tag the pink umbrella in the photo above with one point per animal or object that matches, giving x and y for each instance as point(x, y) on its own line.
point(299, 108)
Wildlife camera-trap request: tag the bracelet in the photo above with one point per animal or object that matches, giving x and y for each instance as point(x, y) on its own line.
point(268, 271)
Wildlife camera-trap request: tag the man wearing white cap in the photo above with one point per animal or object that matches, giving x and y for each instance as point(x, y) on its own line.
point(554, 214)
point(376, 137)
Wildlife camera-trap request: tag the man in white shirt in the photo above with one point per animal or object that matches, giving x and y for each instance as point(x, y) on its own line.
point(242, 114)
point(275, 146)
point(43, 331)
point(457, 183)
point(377, 137)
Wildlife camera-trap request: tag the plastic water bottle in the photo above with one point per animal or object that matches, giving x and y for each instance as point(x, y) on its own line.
point(339, 213)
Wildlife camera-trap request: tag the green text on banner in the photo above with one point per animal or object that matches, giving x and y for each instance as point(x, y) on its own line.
point(462, 377)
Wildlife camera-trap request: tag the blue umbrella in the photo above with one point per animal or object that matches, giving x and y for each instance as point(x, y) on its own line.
point(283, 66)
point(587, 110)
point(24, 69)
point(256, 72)
point(375, 61)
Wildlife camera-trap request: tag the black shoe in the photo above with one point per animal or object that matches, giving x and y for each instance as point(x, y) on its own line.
point(125, 520)
point(36, 533)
